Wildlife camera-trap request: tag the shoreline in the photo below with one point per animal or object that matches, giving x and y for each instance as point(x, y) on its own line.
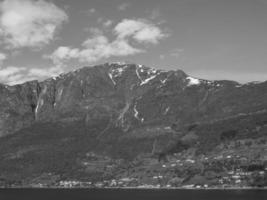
point(138, 188)
point(181, 188)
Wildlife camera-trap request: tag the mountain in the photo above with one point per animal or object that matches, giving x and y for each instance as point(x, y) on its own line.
point(103, 122)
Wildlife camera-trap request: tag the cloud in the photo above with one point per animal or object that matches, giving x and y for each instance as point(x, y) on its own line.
point(155, 14)
point(98, 46)
point(63, 53)
point(95, 48)
point(107, 23)
point(176, 52)
point(149, 35)
point(12, 75)
point(141, 30)
point(89, 12)
point(123, 6)
point(2, 57)
point(92, 10)
point(29, 23)
point(41, 73)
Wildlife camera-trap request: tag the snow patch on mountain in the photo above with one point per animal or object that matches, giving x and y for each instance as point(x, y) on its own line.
point(148, 79)
point(118, 71)
point(123, 112)
point(138, 75)
point(111, 78)
point(192, 81)
point(60, 93)
point(166, 110)
point(152, 73)
point(253, 83)
point(58, 97)
point(118, 63)
point(164, 81)
point(40, 102)
point(136, 114)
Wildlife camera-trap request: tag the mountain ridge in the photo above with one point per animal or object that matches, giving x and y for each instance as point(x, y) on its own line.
point(108, 69)
point(123, 64)
point(79, 124)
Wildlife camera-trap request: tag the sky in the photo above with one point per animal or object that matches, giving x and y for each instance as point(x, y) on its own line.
point(209, 39)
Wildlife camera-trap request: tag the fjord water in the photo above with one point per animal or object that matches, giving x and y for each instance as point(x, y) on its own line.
point(132, 194)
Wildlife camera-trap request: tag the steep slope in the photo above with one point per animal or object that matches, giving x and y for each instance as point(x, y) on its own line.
point(132, 94)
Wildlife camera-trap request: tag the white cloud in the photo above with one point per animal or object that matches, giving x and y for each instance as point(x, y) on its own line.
point(141, 30)
point(41, 73)
point(108, 23)
point(5, 72)
point(92, 10)
point(2, 57)
point(176, 52)
point(89, 12)
point(123, 6)
point(155, 13)
point(162, 57)
point(63, 53)
point(12, 75)
point(128, 27)
point(29, 23)
point(149, 34)
point(98, 46)
point(95, 48)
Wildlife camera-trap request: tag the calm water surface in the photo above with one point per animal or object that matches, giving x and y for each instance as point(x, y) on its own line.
point(125, 194)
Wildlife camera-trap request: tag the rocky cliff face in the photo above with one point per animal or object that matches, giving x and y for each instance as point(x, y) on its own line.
point(127, 96)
